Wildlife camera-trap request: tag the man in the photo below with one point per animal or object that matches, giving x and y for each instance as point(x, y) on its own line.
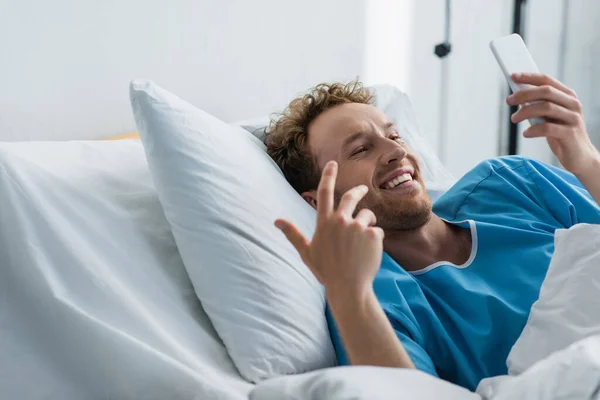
point(452, 291)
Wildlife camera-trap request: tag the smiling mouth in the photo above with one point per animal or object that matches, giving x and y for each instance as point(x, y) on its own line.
point(400, 180)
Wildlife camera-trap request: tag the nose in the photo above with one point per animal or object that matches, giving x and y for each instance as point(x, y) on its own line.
point(393, 153)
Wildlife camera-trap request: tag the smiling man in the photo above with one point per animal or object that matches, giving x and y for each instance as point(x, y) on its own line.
point(446, 288)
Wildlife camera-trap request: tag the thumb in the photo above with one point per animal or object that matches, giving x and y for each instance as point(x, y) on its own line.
point(296, 238)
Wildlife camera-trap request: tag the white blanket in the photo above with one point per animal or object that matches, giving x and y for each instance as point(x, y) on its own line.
point(557, 356)
point(572, 373)
point(558, 351)
point(360, 383)
point(568, 308)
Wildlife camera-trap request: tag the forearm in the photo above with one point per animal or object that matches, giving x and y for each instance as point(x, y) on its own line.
point(590, 178)
point(367, 334)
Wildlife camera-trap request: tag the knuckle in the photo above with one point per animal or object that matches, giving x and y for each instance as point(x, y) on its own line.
point(325, 191)
point(349, 195)
point(341, 219)
point(547, 90)
point(547, 106)
point(371, 214)
point(356, 226)
point(578, 106)
point(375, 233)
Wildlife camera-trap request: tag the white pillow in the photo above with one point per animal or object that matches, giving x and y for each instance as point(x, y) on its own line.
point(221, 193)
point(567, 309)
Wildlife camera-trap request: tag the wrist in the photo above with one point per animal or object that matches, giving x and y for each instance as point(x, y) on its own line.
point(592, 168)
point(349, 298)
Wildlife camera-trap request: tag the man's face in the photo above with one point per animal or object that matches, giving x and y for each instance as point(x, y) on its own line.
point(369, 151)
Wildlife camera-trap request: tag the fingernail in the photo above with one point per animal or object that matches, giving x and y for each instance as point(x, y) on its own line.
point(510, 99)
point(278, 224)
point(364, 188)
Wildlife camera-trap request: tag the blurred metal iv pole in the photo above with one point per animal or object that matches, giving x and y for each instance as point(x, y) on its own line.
point(517, 27)
point(442, 50)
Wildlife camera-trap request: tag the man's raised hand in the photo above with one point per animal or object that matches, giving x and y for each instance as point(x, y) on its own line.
point(345, 251)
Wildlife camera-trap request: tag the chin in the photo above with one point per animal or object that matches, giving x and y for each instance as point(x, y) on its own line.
point(412, 221)
point(403, 213)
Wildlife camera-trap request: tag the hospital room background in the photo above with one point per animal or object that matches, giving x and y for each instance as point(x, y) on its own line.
point(65, 70)
point(65, 63)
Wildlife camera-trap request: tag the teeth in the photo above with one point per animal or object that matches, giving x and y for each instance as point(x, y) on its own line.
point(398, 180)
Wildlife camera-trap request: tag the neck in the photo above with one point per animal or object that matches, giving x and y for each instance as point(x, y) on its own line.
point(435, 241)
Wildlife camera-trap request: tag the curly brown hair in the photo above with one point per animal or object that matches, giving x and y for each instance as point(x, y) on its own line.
point(286, 137)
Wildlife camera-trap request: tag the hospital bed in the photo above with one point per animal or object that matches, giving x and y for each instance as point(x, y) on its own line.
point(96, 303)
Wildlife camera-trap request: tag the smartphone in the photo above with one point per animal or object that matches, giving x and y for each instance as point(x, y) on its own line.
point(513, 57)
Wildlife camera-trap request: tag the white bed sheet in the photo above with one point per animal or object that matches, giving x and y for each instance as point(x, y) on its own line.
point(94, 300)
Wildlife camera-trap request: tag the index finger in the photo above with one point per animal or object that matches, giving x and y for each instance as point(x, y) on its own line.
point(541, 79)
point(325, 190)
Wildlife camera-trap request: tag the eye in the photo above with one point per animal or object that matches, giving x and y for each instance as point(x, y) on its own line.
point(397, 138)
point(359, 150)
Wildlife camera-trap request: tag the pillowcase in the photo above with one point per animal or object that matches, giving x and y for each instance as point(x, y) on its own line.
point(567, 309)
point(221, 193)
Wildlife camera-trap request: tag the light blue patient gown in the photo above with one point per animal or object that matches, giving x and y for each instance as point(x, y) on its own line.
point(460, 322)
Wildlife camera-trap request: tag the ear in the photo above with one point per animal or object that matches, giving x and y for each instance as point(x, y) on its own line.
point(311, 198)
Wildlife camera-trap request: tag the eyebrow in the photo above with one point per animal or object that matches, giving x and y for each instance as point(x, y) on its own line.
point(358, 135)
point(352, 138)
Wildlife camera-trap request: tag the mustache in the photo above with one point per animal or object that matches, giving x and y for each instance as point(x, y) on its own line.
point(412, 162)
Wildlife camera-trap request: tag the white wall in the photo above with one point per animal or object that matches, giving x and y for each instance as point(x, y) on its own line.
point(468, 120)
point(464, 125)
point(65, 64)
point(543, 36)
point(389, 42)
point(582, 60)
point(576, 24)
